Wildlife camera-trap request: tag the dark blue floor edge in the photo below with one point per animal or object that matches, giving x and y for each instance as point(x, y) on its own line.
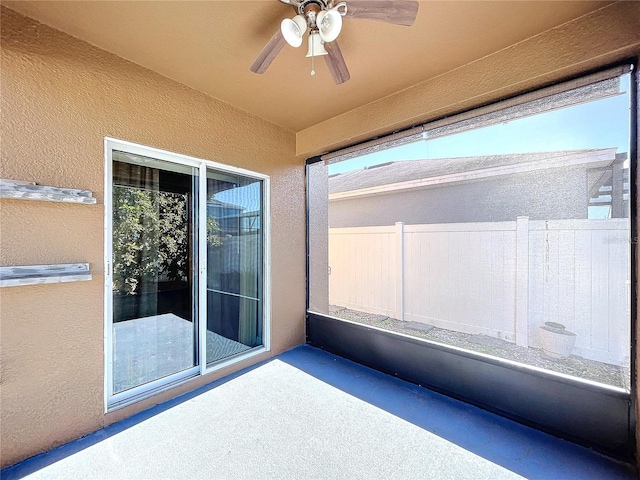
point(518, 448)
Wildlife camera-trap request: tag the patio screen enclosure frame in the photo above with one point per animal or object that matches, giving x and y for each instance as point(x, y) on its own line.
point(588, 413)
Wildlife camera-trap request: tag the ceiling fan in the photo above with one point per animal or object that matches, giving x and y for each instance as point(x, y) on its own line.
point(323, 19)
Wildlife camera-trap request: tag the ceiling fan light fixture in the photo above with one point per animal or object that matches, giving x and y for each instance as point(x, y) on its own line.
point(293, 30)
point(329, 24)
point(316, 45)
point(323, 19)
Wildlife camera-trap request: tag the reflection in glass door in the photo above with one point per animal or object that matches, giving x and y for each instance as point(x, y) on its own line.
point(234, 264)
point(154, 282)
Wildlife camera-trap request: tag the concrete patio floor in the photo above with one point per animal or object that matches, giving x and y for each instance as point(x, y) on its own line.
point(309, 414)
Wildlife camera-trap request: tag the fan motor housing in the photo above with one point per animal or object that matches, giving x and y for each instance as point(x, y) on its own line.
point(310, 9)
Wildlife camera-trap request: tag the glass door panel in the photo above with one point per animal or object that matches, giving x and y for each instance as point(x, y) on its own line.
point(154, 270)
point(234, 264)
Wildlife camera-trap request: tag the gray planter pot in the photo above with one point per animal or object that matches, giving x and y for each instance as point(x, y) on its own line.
point(557, 342)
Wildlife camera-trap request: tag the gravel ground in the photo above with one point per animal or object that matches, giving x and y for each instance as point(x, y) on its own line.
point(574, 365)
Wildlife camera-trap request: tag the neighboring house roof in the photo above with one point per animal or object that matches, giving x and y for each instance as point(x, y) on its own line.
point(224, 209)
point(402, 175)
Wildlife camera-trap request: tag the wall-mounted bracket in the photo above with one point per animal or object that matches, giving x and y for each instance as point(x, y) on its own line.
point(21, 190)
point(37, 274)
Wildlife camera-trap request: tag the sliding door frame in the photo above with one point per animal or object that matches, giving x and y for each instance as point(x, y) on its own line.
point(202, 281)
point(119, 400)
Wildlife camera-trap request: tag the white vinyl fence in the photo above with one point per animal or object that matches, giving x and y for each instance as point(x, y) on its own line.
point(502, 279)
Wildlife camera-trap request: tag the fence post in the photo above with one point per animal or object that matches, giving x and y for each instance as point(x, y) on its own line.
point(522, 282)
point(400, 271)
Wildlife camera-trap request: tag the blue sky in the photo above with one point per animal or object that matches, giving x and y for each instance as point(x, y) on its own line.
point(600, 124)
point(247, 196)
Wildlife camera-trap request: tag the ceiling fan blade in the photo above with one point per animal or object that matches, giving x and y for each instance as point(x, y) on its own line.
point(335, 62)
point(268, 53)
point(398, 12)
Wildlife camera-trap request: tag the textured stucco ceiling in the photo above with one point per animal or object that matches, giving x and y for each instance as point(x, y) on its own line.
point(209, 46)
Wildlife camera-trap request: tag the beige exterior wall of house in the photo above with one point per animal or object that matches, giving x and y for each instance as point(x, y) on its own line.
point(60, 98)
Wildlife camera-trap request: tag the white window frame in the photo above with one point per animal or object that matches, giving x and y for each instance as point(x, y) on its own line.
point(115, 401)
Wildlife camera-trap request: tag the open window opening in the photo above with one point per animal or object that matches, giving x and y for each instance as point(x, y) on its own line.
point(503, 234)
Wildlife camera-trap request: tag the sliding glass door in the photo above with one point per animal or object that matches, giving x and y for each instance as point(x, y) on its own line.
point(186, 259)
point(154, 280)
point(234, 267)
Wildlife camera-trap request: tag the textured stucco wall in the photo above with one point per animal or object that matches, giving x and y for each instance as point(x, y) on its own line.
point(60, 97)
point(318, 193)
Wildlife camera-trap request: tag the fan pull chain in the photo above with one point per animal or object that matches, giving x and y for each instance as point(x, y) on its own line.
point(313, 57)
